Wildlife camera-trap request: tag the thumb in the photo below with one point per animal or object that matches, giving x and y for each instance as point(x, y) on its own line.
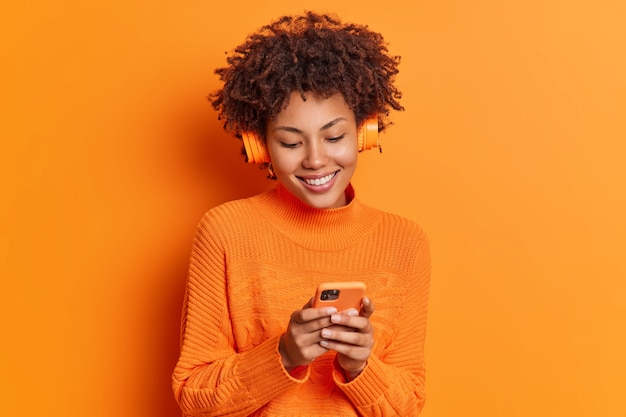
point(367, 308)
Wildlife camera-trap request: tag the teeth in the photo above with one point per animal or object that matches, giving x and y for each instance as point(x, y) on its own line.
point(319, 181)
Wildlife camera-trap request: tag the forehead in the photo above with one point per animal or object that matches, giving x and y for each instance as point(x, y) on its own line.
point(313, 109)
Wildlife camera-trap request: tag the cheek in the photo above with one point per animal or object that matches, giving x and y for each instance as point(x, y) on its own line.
point(347, 157)
point(282, 161)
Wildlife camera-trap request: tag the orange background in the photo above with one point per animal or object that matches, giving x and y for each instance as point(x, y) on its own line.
point(510, 153)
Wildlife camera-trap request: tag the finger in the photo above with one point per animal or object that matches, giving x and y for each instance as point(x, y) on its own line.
point(350, 312)
point(359, 323)
point(340, 328)
point(351, 352)
point(354, 339)
point(310, 314)
point(367, 307)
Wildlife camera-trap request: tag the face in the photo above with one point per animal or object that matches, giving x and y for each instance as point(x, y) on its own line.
point(313, 149)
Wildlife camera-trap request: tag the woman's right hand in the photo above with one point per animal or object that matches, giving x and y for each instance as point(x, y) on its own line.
point(300, 344)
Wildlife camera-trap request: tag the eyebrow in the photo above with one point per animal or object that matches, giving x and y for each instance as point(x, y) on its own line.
point(326, 126)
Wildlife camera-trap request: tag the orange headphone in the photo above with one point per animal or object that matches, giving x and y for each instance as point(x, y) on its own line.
point(256, 151)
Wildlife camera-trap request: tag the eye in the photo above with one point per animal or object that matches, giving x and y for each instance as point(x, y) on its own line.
point(288, 145)
point(335, 139)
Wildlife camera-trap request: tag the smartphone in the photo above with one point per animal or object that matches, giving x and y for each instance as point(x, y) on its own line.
point(342, 295)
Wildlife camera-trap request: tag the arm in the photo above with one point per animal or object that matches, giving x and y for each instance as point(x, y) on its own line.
point(392, 383)
point(211, 377)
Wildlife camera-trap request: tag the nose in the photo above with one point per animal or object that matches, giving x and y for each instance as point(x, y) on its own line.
point(316, 156)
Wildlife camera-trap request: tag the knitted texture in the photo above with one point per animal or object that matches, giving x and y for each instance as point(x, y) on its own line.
point(255, 261)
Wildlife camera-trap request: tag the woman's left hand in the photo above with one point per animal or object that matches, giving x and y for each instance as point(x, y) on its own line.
point(352, 337)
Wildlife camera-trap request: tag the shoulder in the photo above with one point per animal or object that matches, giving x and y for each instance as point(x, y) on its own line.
point(402, 241)
point(400, 226)
point(230, 209)
point(228, 217)
point(401, 245)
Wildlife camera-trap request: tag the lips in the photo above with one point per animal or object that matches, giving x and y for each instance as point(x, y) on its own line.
point(319, 181)
point(323, 190)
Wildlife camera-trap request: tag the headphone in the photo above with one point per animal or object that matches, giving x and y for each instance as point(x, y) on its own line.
point(256, 151)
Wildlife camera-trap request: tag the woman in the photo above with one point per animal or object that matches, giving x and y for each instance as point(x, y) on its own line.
point(301, 91)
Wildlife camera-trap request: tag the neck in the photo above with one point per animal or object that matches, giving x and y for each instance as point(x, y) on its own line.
point(327, 229)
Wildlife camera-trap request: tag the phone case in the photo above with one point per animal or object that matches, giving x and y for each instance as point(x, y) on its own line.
point(342, 295)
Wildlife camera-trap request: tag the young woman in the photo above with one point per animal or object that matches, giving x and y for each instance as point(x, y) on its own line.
point(302, 92)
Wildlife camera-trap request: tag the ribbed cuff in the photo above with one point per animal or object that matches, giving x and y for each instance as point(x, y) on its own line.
point(368, 386)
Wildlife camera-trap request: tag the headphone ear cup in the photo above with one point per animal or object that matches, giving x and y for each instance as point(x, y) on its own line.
point(256, 151)
point(368, 134)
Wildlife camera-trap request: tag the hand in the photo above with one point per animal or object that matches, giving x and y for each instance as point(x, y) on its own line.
point(300, 344)
point(352, 337)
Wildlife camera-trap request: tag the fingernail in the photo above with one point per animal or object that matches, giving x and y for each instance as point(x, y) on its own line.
point(352, 312)
point(324, 343)
point(331, 310)
point(335, 318)
point(325, 332)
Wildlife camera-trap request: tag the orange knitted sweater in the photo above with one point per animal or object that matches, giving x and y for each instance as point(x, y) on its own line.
point(255, 261)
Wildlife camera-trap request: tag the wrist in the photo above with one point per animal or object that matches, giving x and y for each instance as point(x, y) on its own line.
point(287, 364)
point(349, 374)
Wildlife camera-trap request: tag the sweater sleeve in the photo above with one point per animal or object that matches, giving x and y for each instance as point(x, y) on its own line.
point(211, 378)
point(392, 384)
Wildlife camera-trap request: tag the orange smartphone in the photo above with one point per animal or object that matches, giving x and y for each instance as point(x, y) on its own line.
point(342, 295)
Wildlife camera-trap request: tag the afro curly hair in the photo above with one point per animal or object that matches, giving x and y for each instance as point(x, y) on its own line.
point(308, 53)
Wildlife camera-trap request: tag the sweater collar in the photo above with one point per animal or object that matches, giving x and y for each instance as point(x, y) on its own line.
point(321, 229)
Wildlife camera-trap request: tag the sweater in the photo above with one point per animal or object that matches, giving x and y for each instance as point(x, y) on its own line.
point(256, 260)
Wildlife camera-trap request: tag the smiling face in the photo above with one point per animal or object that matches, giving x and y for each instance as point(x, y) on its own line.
point(313, 149)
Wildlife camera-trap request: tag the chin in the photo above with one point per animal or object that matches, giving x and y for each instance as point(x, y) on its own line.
point(331, 198)
point(324, 202)
point(322, 205)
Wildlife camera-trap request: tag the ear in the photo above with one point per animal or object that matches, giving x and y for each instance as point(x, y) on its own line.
point(368, 134)
point(255, 148)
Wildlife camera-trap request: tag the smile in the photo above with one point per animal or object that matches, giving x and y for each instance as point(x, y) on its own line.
point(319, 181)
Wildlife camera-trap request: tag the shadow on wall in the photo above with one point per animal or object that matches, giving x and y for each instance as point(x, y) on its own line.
point(159, 400)
point(210, 169)
point(214, 162)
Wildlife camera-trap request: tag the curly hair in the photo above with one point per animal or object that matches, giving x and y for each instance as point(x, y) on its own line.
point(308, 53)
